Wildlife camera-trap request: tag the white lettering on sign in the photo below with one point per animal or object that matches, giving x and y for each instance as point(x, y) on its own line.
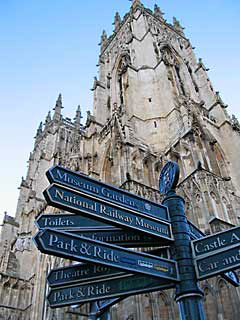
point(114, 213)
point(80, 292)
point(107, 211)
point(97, 290)
point(111, 237)
point(216, 244)
point(90, 205)
point(204, 266)
point(84, 249)
point(141, 222)
point(57, 222)
point(103, 254)
point(70, 274)
point(234, 238)
point(68, 246)
point(100, 269)
point(225, 260)
point(64, 295)
point(84, 185)
point(119, 198)
point(76, 273)
point(232, 259)
point(65, 177)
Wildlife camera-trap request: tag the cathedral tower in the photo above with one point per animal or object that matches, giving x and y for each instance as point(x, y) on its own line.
point(152, 101)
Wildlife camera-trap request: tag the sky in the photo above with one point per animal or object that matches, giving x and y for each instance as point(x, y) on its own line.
point(49, 47)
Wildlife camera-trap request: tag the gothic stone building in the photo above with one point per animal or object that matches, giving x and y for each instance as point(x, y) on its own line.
point(153, 101)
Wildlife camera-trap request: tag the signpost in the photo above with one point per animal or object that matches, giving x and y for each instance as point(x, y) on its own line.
point(73, 247)
point(105, 289)
point(96, 230)
point(124, 238)
point(70, 200)
point(217, 242)
point(79, 273)
point(68, 221)
point(189, 296)
point(112, 272)
point(105, 192)
point(218, 253)
point(195, 233)
point(84, 272)
point(211, 265)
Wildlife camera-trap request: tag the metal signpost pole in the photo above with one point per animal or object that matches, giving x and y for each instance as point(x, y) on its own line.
point(188, 294)
point(93, 311)
point(94, 315)
point(105, 316)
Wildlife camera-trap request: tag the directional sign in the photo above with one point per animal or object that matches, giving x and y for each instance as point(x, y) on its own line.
point(79, 273)
point(104, 289)
point(74, 201)
point(216, 242)
point(85, 272)
point(96, 230)
point(67, 221)
point(106, 192)
point(125, 238)
point(211, 265)
point(195, 233)
point(229, 276)
point(82, 249)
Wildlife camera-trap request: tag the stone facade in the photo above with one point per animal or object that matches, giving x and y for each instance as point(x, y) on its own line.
point(153, 101)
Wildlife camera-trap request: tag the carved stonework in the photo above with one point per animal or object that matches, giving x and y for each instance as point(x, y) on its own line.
point(158, 13)
point(22, 243)
point(235, 124)
point(167, 56)
point(124, 62)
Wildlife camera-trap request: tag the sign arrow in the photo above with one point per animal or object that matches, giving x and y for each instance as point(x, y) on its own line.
point(216, 242)
point(104, 289)
point(73, 201)
point(80, 273)
point(85, 272)
point(214, 264)
point(68, 221)
point(67, 245)
point(106, 192)
point(195, 233)
point(96, 230)
point(229, 276)
point(124, 238)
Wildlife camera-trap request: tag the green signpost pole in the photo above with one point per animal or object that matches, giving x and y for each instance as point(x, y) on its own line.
point(188, 294)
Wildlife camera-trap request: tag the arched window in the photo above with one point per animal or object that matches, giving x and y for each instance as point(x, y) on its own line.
point(210, 304)
point(225, 300)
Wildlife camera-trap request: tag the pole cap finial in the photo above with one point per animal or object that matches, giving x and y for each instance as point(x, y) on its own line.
point(169, 177)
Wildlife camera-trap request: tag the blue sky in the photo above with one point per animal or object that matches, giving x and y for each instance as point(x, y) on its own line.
point(51, 46)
